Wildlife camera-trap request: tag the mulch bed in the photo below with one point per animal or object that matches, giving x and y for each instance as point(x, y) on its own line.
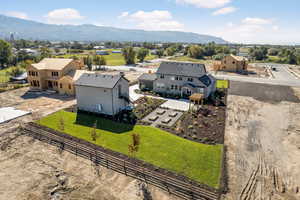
point(207, 125)
point(145, 105)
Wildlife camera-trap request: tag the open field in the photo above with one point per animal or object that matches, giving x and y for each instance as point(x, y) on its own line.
point(262, 141)
point(114, 59)
point(202, 162)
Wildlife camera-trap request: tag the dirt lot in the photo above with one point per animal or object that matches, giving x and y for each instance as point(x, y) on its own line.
point(252, 71)
point(263, 149)
point(31, 170)
point(263, 92)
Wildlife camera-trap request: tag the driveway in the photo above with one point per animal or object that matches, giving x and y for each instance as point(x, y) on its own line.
point(177, 104)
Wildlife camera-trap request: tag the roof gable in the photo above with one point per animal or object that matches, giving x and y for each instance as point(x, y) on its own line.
point(182, 69)
point(52, 64)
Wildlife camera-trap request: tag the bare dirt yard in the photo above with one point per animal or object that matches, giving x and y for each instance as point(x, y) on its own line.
point(262, 138)
point(32, 170)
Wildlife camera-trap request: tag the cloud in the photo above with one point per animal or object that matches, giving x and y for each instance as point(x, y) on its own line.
point(154, 20)
point(224, 11)
point(64, 16)
point(250, 30)
point(124, 14)
point(205, 3)
point(256, 21)
point(17, 14)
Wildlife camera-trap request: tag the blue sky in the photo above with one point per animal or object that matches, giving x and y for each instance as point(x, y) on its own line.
point(243, 21)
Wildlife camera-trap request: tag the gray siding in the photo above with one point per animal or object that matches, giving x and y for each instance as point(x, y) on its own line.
point(88, 98)
point(170, 80)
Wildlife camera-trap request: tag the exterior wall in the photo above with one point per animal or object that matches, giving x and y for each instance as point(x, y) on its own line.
point(89, 97)
point(146, 84)
point(170, 80)
point(231, 64)
point(66, 86)
point(34, 80)
point(120, 104)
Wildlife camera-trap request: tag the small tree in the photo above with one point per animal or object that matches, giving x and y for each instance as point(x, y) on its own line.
point(88, 62)
point(142, 53)
point(133, 148)
point(61, 124)
point(129, 55)
point(160, 53)
point(94, 132)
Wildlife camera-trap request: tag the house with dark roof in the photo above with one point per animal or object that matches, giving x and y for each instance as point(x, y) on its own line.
point(182, 79)
point(102, 93)
point(146, 81)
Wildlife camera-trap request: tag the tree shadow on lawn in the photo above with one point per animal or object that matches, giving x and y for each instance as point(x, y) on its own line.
point(103, 123)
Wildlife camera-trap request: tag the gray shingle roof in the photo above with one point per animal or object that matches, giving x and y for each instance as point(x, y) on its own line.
point(148, 77)
point(98, 80)
point(182, 69)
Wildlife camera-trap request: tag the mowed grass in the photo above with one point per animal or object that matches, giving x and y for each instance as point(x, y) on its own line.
point(197, 161)
point(114, 59)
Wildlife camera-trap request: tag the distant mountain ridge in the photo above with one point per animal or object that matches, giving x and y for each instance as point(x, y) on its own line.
point(27, 29)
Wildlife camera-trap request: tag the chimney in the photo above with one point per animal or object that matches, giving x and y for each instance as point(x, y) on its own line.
point(122, 74)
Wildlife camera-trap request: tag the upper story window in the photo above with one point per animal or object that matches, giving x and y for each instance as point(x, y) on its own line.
point(33, 73)
point(233, 62)
point(190, 79)
point(178, 78)
point(162, 76)
point(54, 73)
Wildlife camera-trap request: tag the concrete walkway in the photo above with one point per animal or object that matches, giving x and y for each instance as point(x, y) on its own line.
point(178, 104)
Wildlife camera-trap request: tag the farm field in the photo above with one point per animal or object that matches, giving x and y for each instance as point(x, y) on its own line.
point(197, 161)
point(114, 59)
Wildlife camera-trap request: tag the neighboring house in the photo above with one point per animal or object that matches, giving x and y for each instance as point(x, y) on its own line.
point(102, 93)
point(146, 81)
point(234, 64)
point(54, 74)
point(182, 79)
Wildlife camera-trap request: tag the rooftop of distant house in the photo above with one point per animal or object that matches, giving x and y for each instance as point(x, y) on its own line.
point(52, 63)
point(182, 69)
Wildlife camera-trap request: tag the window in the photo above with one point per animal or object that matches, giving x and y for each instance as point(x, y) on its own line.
point(233, 62)
point(178, 78)
point(160, 85)
point(70, 87)
point(119, 90)
point(38, 83)
point(54, 73)
point(60, 85)
point(176, 87)
point(172, 87)
point(190, 79)
point(55, 84)
point(162, 76)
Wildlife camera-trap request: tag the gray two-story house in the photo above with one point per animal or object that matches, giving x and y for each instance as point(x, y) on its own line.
point(182, 79)
point(102, 93)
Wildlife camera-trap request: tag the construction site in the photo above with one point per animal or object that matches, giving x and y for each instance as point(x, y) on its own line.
point(261, 141)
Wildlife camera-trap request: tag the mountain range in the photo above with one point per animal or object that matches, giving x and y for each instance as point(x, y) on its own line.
point(27, 29)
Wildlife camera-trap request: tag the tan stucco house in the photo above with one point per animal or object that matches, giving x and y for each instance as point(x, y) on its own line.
point(234, 63)
point(55, 74)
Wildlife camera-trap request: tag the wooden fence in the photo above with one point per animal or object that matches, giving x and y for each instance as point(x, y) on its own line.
point(174, 184)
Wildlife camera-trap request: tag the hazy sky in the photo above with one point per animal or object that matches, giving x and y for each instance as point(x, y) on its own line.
point(244, 21)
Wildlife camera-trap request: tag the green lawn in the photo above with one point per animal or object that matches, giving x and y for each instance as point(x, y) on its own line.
point(197, 161)
point(4, 77)
point(113, 59)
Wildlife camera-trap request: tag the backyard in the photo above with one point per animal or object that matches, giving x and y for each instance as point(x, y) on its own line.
point(197, 161)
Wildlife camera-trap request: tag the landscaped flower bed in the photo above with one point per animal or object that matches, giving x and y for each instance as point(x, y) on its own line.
point(145, 105)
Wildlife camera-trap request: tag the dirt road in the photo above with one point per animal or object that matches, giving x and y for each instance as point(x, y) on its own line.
point(263, 143)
